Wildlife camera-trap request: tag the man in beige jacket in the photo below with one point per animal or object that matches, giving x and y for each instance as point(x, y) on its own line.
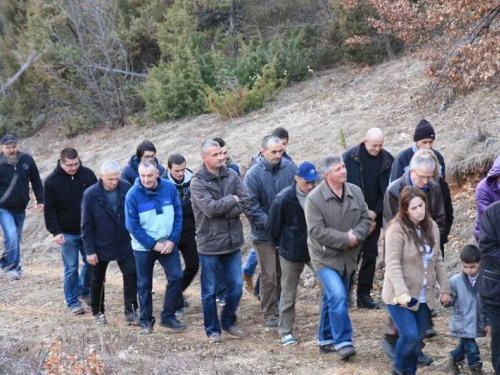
point(338, 222)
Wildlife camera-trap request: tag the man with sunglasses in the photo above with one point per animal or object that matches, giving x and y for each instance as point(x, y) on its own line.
point(369, 167)
point(287, 227)
point(63, 194)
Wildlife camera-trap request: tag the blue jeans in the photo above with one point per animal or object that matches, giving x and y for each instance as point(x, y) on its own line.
point(12, 226)
point(221, 289)
point(171, 263)
point(232, 267)
point(466, 348)
point(411, 326)
point(75, 285)
point(335, 324)
point(251, 263)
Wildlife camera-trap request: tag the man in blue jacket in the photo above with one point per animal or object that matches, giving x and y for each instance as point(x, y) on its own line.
point(270, 174)
point(146, 150)
point(288, 229)
point(106, 239)
point(153, 216)
point(17, 170)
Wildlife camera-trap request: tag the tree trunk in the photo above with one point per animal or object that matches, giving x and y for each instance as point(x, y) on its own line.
point(232, 28)
point(388, 47)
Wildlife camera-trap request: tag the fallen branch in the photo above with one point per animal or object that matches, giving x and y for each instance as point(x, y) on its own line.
point(119, 71)
point(19, 73)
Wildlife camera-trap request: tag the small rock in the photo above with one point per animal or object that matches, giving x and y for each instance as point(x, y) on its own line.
point(123, 355)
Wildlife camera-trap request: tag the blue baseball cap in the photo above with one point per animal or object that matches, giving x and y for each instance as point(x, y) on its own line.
point(308, 172)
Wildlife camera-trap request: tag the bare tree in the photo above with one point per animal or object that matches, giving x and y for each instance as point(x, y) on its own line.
point(4, 87)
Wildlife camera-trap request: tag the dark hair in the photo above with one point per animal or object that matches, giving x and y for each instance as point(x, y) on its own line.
point(470, 254)
point(144, 146)
point(426, 234)
point(220, 141)
point(68, 153)
point(281, 133)
point(175, 159)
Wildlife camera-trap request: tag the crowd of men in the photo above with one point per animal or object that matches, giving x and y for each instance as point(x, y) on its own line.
point(328, 218)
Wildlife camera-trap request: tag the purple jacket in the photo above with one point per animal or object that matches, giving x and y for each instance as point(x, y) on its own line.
point(487, 192)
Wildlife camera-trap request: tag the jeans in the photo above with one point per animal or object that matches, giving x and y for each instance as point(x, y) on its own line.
point(467, 348)
point(221, 289)
point(335, 324)
point(251, 263)
point(144, 264)
point(493, 313)
point(368, 255)
point(232, 267)
point(127, 267)
point(412, 326)
point(75, 285)
point(12, 226)
point(189, 252)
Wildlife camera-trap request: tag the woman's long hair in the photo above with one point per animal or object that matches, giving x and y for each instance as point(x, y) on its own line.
point(426, 234)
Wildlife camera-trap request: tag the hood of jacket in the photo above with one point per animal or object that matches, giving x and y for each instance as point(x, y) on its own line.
point(134, 162)
point(261, 160)
point(494, 172)
point(188, 174)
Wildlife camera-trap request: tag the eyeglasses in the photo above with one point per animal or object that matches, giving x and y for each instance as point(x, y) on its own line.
point(423, 178)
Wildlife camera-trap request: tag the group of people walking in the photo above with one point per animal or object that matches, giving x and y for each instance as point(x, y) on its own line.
point(328, 218)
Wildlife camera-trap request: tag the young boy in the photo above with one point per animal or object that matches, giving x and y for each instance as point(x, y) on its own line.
point(468, 319)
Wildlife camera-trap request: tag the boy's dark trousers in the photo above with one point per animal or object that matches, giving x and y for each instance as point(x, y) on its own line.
point(467, 348)
point(493, 313)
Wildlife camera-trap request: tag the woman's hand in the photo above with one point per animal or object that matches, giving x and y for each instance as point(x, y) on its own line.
point(445, 299)
point(403, 299)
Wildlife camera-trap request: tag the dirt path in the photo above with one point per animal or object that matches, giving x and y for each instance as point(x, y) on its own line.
point(32, 312)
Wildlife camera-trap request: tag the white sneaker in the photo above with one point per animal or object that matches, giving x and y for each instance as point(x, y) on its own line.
point(288, 339)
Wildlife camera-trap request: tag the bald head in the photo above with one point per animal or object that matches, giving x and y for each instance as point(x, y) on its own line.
point(374, 141)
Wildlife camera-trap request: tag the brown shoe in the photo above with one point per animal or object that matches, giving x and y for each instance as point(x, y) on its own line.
point(215, 339)
point(346, 352)
point(452, 367)
point(248, 282)
point(234, 332)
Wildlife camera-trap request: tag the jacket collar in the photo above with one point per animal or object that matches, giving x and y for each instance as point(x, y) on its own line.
point(204, 173)
point(147, 191)
point(188, 174)
point(472, 289)
point(261, 160)
point(99, 191)
point(5, 161)
point(386, 158)
point(327, 193)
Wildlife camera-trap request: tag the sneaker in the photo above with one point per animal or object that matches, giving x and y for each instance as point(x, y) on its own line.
point(146, 330)
point(215, 338)
point(366, 302)
point(180, 312)
point(271, 322)
point(173, 324)
point(86, 299)
point(288, 339)
point(327, 349)
point(424, 359)
point(132, 318)
point(100, 319)
point(431, 332)
point(77, 310)
point(248, 283)
point(14, 274)
point(452, 367)
point(234, 332)
point(222, 301)
point(346, 352)
point(476, 369)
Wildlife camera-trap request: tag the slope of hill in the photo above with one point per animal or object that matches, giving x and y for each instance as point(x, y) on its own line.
point(316, 113)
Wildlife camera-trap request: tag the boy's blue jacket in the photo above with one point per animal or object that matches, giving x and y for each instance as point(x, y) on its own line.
point(152, 216)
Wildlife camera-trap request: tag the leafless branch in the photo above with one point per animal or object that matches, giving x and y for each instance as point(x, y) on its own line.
point(19, 73)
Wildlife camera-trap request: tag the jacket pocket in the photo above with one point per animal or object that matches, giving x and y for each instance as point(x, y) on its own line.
point(490, 284)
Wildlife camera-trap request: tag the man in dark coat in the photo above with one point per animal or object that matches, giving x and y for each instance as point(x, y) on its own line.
point(489, 289)
point(368, 167)
point(146, 150)
point(17, 171)
point(288, 229)
point(63, 193)
point(105, 239)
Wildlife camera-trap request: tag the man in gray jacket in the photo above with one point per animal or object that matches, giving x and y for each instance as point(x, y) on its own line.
point(337, 224)
point(270, 174)
point(218, 198)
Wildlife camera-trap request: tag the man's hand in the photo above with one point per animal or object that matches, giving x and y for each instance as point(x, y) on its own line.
point(168, 247)
point(92, 259)
point(237, 198)
point(59, 239)
point(373, 224)
point(353, 241)
point(40, 207)
point(445, 299)
point(159, 246)
point(372, 215)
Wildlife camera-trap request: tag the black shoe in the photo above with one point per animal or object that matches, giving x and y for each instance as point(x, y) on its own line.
point(366, 302)
point(388, 349)
point(424, 360)
point(431, 332)
point(327, 349)
point(346, 352)
point(174, 324)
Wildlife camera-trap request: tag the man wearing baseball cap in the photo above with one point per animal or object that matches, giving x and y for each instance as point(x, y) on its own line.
point(287, 227)
point(17, 170)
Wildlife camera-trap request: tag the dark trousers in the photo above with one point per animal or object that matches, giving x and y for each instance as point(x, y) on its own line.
point(127, 267)
point(368, 256)
point(467, 348)
point(145, 263)
point(189, 251)
point(493, 313)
